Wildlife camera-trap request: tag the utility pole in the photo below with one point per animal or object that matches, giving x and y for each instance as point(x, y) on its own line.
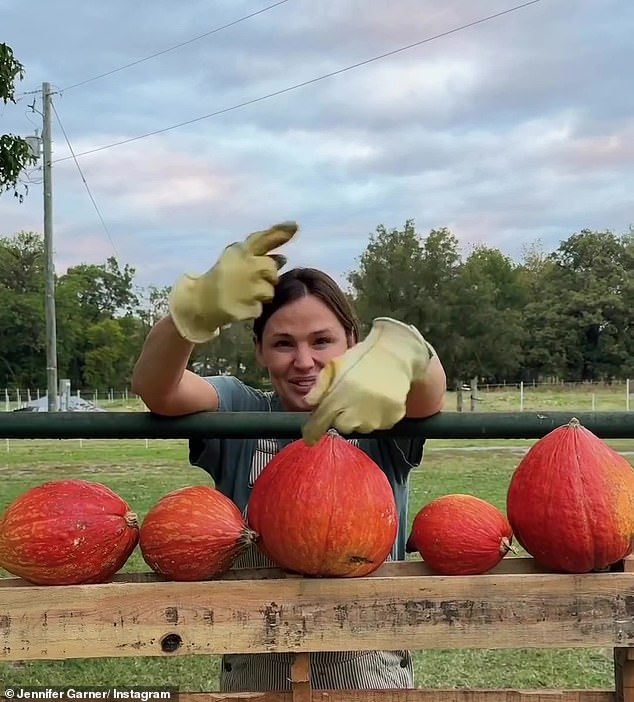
point(49, 268)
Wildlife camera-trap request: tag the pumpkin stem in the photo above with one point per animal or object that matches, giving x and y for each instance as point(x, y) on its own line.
point(131, 519)
point(506, 546)
point(248, 537)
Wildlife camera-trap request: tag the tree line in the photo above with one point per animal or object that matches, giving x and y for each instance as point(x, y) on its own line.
point(565, 314)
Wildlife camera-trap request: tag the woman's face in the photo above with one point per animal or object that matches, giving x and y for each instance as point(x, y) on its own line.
point(297, 342)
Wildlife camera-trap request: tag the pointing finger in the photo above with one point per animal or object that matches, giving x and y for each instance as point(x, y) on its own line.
point(260, 243)
point(318, 424)
point(322, 384)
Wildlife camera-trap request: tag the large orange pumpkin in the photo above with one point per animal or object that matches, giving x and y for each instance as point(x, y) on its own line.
point(324, 510)
point(570, 501)
point(460, 535)
point(67, 532)
point(194, 533)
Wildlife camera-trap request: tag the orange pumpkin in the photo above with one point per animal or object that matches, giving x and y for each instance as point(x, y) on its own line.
point(67, 532)
point(571, 501)
point(460, 535)
point(194, 533)
point(324, 510)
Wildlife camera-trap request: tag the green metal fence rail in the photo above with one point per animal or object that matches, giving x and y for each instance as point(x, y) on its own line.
point(281, 425)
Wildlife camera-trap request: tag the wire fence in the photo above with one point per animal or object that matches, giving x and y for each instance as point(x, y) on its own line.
point(534, 396)
point(617, 395)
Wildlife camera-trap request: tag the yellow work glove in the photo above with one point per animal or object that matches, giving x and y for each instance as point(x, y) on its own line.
point(234, 289)
point(366, 388)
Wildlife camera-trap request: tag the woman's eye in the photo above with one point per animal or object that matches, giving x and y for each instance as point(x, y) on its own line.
point(281, 343)
point(323, 341)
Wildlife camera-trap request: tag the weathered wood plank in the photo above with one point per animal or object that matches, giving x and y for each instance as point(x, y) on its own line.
point(624, 674)
point(624, 660)
point(410, 568)
point(304, 614)
point(300, 678)
point(391, 569)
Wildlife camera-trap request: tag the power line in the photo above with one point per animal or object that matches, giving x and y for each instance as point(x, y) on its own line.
point(176, 46)
point(306, 82)
point(37, 91)
point(90, 195)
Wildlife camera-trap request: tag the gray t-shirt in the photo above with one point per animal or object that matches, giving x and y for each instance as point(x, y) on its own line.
point(234, 465)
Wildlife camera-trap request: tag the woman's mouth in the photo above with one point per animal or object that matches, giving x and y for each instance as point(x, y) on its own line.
point(303, 385)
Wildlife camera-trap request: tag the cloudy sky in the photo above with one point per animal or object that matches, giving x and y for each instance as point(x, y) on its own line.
point(515, 130)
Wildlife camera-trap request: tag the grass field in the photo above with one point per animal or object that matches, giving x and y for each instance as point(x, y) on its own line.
point(142, 472)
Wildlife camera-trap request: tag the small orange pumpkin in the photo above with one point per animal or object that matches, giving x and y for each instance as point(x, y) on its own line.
point(194, 533)
point(460, 535)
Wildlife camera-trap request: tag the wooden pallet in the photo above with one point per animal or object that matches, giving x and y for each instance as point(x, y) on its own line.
point(401, 605)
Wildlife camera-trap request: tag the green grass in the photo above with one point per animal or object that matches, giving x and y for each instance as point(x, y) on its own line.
point(142, 473)
point(574, 397)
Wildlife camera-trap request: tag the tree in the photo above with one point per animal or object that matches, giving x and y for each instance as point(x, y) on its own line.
point(547, 341)
point(412, 279)
point(109, 355)
point(102, 290)
point(386, 282)
point(15, 153)
point(596, 294)
point(579, 312)
point(22, 329)
point(488, 314)
point(88, 296)
point(438, 298)
point(153, 305)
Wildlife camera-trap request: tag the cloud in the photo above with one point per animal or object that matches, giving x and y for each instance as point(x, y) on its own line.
point(510, 131)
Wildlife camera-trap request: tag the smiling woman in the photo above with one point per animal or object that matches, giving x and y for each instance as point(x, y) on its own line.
point(308, 322)
point(307, 337)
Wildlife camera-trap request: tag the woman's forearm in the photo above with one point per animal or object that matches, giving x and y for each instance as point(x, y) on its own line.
point(427, 395)
point(160, 377)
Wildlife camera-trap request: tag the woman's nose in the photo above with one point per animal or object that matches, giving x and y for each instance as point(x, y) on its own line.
point(304, 356)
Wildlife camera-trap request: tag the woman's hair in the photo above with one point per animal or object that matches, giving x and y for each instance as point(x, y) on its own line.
point(301, 282)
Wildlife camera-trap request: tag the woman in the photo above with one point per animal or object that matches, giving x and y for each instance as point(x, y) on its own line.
point(307, 337)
